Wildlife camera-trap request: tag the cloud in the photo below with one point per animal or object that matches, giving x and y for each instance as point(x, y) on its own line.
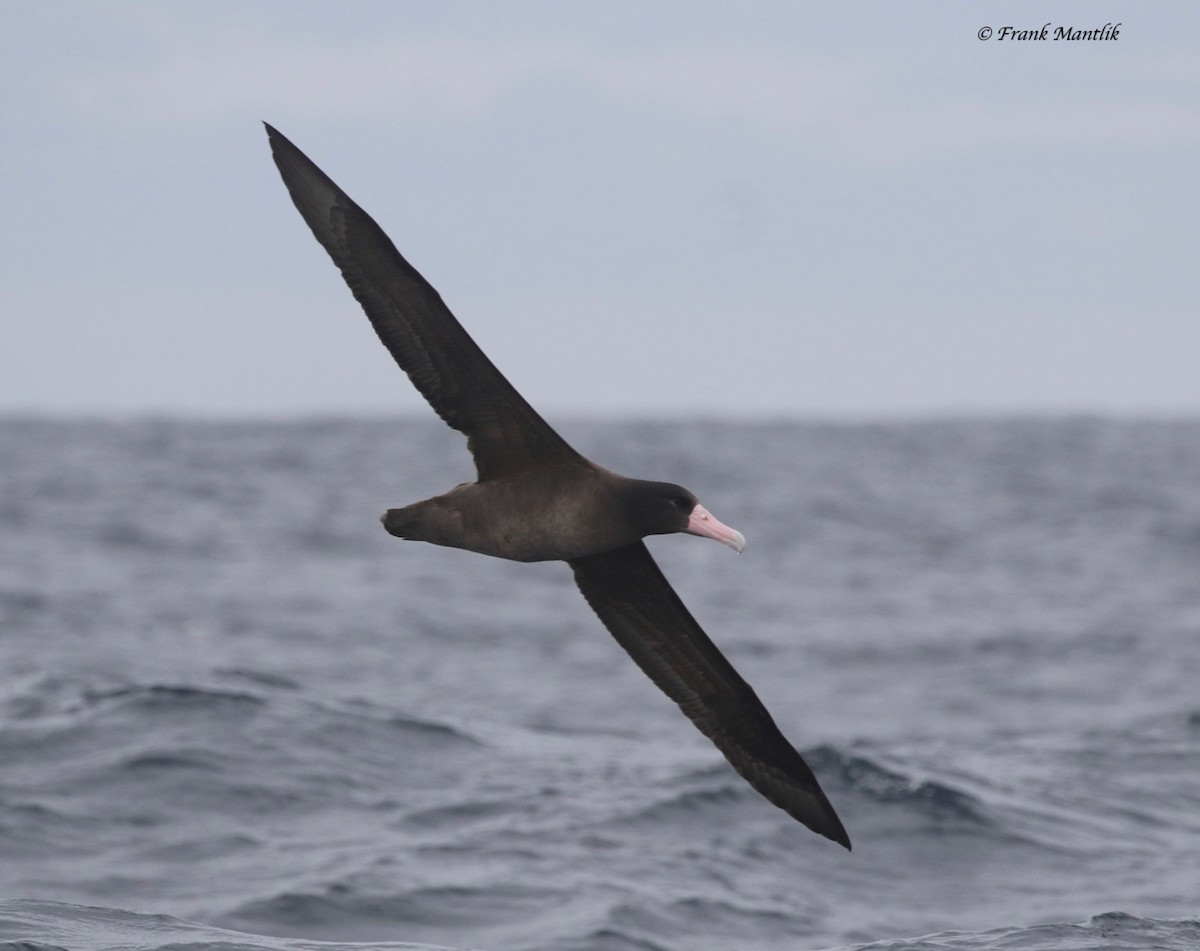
point(872, 112)
point(898, 134)
point(454, 79)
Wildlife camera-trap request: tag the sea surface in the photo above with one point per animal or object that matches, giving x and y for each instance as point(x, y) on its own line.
point(236, 714)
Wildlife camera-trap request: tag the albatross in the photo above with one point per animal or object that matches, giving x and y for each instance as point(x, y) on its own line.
point(537, 499)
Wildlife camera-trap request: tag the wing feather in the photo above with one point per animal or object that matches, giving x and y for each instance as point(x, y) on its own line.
point(642, 611)
point(505, 434)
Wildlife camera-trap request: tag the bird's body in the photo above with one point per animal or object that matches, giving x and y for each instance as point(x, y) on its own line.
point(557, 513)
point(537, 499)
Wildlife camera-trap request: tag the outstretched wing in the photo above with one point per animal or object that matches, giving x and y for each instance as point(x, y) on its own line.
point(504, 433)
point(642, 611)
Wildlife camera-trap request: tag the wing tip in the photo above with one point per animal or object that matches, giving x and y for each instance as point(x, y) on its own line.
point(838, 835)
point(290, 161)
point(831, 826)
point(825, 823)
point(274, 136)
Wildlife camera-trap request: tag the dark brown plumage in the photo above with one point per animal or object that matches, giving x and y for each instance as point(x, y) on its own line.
point(537, 499)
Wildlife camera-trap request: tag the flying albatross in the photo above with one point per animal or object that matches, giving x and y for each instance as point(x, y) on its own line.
point(537, 499)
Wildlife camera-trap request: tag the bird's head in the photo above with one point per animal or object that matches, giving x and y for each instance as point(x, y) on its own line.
point(660, 508)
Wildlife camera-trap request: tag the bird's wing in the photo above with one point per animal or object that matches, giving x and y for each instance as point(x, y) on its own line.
point(637, 604)
point(504, 433)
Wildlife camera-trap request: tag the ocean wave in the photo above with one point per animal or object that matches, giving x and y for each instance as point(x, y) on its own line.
point(161, 698)
point(707, 793)
point(610, 939)
point(861, 775)
point(496, 910)
point(208, 703)
point(735, 918)
point(694, 804)
point(180, 755)
point(53, 697)
point(1105, 932)
point(461, 815)
point(65, 703)
point(28, 925)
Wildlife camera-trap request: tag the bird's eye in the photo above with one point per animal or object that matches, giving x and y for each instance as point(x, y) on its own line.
point(680, 503)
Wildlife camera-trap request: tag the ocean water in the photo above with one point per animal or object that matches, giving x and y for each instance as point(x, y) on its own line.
point(235, 714)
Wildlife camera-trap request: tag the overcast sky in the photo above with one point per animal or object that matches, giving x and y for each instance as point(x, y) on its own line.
point(808, 209)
